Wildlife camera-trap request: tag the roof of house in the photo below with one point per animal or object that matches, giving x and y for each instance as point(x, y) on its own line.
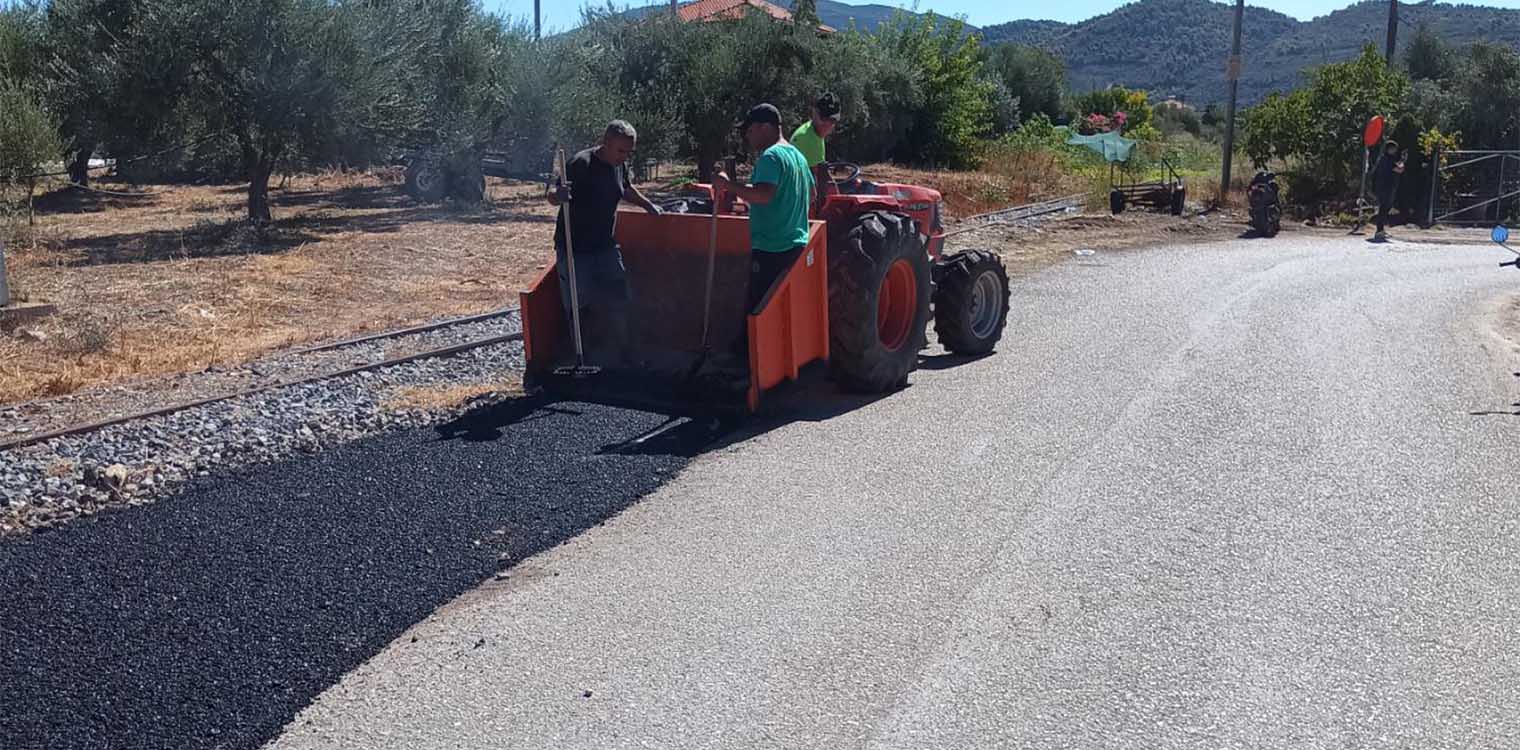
point(718, 10)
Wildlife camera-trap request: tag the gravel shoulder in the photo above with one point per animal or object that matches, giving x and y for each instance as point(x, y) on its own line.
point(54, 482)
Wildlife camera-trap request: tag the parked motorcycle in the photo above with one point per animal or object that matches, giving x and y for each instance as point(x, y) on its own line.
point(1266, 211)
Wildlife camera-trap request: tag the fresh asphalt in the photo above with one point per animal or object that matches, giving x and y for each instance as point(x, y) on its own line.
point(208, 620)
point(1248, 494)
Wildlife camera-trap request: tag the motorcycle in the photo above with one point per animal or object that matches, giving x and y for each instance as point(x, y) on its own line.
point(1266, 212)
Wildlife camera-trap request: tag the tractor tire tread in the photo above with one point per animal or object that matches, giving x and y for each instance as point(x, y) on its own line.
point(858, 361)
point(952, 301)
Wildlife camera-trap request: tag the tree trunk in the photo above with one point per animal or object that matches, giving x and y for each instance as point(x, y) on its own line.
point(79, 166)
point(31, 210)
point(707, 156)
point(259, 164)
point(258, 192)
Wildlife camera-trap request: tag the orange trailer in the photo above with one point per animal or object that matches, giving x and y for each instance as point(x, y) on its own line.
point(666, 261)
point(860, 298)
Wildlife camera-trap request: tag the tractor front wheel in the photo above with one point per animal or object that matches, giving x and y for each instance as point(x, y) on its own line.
point(971, 302)
point(878, 302)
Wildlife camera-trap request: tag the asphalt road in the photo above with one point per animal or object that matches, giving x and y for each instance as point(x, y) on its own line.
point(1257, 494)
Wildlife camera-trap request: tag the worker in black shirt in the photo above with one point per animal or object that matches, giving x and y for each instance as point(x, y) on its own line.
point(1385, 182)
point(595, 182)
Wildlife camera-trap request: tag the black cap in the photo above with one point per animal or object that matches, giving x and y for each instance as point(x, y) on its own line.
point(827, 106)
point(762, 113)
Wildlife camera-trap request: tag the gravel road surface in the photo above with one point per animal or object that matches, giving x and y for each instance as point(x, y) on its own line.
point(1250, 494)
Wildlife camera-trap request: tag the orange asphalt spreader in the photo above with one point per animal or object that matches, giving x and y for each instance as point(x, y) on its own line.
point(857, 298)
point(666, 258)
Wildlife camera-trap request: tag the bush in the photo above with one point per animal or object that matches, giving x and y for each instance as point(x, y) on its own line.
point(1116, 106)
point(1032, 76)
point(28, 136)
point(1321, 124)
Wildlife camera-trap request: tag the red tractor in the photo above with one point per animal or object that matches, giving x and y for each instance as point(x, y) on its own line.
point(886, 267)
point(865, 311)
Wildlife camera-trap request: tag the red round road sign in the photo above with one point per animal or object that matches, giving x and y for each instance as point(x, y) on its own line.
point(1374, 131)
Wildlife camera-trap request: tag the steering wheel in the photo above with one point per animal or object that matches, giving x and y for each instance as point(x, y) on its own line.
point(852, 169)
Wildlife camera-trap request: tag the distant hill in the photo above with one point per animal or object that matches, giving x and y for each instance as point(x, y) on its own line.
point(1030, 32)
point(1179, 47)
point(841, 16)
point(832, 13)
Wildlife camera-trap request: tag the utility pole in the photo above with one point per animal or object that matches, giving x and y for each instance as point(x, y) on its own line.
point(1232, 74)
point(1393, 29)
point(538, 21)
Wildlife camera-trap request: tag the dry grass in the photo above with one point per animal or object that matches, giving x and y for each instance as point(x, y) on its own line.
point(173, 281)
point(448, 396)
point(1007, 183)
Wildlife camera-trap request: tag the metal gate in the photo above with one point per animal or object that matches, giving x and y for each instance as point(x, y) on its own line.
point(1476, 188)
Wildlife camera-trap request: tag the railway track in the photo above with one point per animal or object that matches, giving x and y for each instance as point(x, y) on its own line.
point(323, 374)
point(1019, 213)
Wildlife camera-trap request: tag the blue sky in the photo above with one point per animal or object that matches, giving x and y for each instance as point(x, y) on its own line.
point(562, 14)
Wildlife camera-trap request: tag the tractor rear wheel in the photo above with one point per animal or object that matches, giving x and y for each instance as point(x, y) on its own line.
point(971, 303)
point(878, 302)
point(426, 179)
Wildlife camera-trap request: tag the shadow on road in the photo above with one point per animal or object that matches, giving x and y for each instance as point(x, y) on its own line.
point(948, 361)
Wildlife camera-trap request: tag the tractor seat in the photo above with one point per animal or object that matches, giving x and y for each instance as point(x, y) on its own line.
point(858, 187)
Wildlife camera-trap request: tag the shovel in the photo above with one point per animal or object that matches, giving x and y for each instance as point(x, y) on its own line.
point(712, 255)
point(580, 369)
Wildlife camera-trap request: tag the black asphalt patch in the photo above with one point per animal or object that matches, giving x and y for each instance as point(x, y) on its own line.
point(209, 619)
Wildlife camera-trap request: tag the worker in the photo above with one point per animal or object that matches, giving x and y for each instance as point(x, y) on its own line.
point(1385, 183)
point(778, 195)
point(810, 136)
point(595, 182)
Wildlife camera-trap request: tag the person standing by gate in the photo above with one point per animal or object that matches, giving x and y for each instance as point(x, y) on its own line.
point(1385, 183)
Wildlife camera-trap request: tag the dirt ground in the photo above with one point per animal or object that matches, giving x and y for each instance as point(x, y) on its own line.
point(171, 281)
point(1029, 248)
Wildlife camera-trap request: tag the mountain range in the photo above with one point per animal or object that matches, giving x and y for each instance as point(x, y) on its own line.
point(1180, 47)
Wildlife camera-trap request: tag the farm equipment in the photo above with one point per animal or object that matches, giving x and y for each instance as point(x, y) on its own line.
point(858, 298)
point(1168, 193)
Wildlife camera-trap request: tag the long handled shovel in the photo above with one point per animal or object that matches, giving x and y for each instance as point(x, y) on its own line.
point(580, 369)
point(712, 257)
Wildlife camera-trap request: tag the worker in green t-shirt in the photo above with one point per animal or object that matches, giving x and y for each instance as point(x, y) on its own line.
point(778, 195)
point(810, 136)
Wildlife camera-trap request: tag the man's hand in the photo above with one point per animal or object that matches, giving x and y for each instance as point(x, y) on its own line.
point(561, 193)
point(721, 179)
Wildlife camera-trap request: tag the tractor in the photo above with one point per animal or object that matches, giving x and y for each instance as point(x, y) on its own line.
point(858, 298)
